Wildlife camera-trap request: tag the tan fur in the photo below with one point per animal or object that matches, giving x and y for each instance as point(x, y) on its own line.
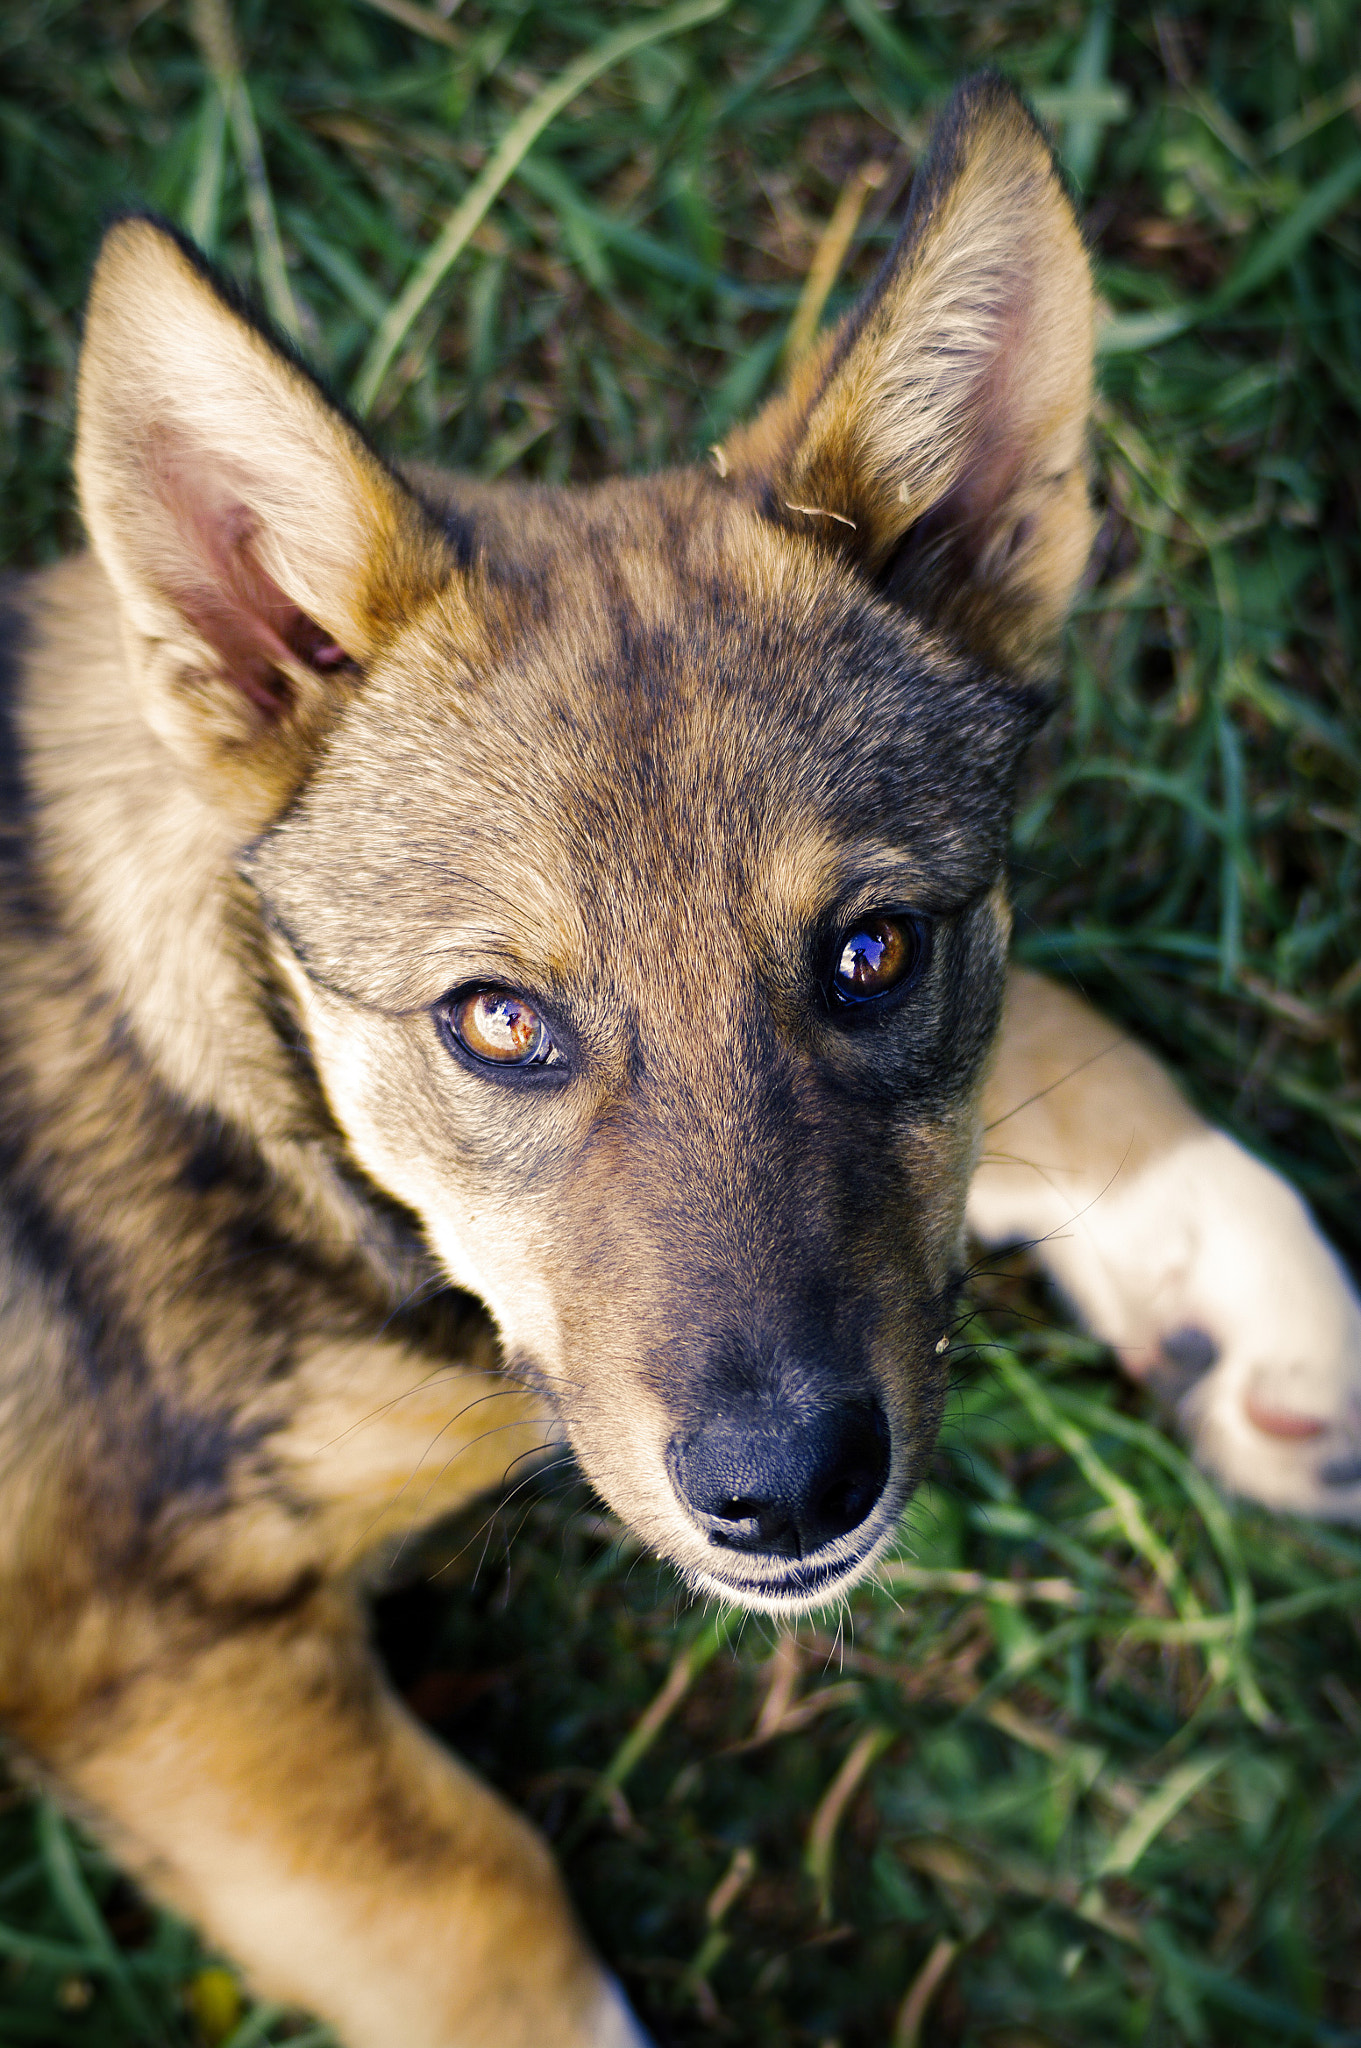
point(274, 1792)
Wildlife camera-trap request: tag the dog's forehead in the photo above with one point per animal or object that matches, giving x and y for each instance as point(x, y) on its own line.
point(642, 725)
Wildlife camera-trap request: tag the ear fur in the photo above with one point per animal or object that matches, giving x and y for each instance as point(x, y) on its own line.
point(260, 550)
point(939, 434)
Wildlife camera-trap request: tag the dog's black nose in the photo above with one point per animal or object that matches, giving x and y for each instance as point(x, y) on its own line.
point(782, 1483)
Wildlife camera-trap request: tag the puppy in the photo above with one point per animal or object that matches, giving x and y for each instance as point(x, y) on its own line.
point(485, 967)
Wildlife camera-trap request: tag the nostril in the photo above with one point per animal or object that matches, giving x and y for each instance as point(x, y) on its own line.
point(854, 1473)
point(845, 1505)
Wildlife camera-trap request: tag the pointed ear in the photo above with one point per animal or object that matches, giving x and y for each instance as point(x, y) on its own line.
point(260, 551)
point(939, 435)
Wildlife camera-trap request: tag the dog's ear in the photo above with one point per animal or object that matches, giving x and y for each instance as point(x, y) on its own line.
point(938, 436)
point(260, 550)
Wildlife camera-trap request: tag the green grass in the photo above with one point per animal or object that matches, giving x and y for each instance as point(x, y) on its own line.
point(1096, 1749)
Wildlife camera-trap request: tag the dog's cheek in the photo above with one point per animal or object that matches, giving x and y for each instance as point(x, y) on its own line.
point(909, 1259)
point(377, 1076)
point(938, 1165)
point(935, 1156)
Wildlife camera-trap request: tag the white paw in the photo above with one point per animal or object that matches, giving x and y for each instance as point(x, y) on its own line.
point(1277, 1414)
point(615, 2025)
point(1208, 1274)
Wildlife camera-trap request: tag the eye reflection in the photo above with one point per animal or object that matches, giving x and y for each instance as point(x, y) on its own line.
point(499, 1027)
point(877, 955)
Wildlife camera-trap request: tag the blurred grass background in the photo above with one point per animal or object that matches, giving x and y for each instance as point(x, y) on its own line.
point(1086, 1767)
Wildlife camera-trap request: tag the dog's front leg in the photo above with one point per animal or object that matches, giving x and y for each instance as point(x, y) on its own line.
point(1200, 1265)
point(269, 1786)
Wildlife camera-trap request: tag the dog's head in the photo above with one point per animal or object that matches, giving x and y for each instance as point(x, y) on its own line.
point(635, 855)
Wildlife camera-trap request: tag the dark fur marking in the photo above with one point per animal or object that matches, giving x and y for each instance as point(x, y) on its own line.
point(214, 1157)
point(182, 1452)
point(460, 532)
point(13, 790)
point(72, 1275)
point(223, 1614)
point(156, 1452)
point(25, 897)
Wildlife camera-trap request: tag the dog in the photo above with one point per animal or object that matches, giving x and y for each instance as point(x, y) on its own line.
point(491, 966)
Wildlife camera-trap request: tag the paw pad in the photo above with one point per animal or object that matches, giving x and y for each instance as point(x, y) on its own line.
point(1185, 1355)
point(1287, 1423)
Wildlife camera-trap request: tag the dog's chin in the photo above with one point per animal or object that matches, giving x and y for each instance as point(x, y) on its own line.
point(777, 1585)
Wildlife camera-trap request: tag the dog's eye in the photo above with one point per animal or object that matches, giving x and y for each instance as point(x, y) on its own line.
point(501, 1028)
point(879, 954)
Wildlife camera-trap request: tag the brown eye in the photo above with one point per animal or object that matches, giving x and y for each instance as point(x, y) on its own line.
point(877, 955)
point(501, 1028)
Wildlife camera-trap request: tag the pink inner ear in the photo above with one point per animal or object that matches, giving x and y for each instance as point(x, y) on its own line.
point(997, 457)
point(254, 627)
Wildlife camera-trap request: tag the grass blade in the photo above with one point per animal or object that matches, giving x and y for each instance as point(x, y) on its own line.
point(200, 214)
point(1158, 1809)
point(216, 36)
point(438, 27)
point(509, 153)
point(69, 1886)
point(1132, 332)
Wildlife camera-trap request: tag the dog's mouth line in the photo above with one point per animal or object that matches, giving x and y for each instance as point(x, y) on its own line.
point(806, 1579)
point(804, 1582)
point(810, 1587)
